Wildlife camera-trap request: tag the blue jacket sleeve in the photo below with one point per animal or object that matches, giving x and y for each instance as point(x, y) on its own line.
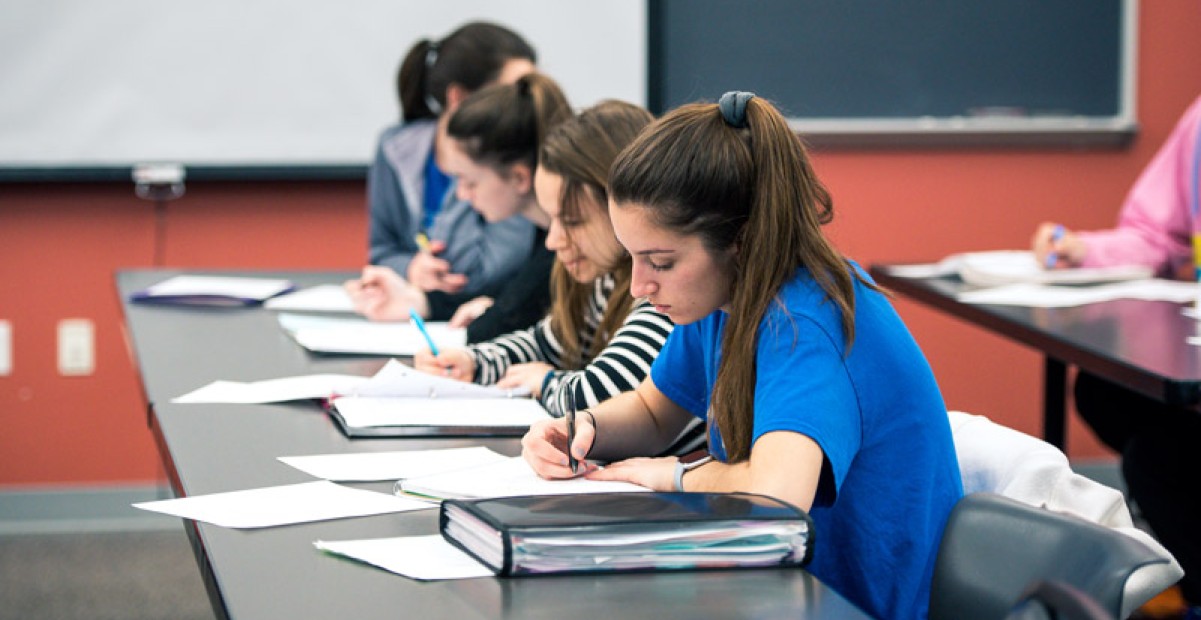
point(392, 231)
point(489, 254)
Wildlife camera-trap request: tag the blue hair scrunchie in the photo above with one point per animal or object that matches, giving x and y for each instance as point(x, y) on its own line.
point(733, 107)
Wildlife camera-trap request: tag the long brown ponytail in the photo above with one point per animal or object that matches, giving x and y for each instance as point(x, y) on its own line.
point(749, 187)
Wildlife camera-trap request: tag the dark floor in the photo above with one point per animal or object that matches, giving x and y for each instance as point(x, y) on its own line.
point(139, 575)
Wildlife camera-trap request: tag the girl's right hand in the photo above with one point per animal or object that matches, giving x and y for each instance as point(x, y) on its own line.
point(454, 363)
point(544, 447)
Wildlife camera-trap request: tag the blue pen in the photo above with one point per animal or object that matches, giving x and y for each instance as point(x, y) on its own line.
point(421, 326)
point(1056, 235)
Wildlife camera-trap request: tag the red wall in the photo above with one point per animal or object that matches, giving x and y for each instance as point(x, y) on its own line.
point(60, 244)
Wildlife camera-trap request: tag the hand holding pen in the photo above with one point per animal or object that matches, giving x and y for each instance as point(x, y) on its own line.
point(548, 446)
point(432, 362)
point(1055, 247)
point(428, 272)
point(454, 363)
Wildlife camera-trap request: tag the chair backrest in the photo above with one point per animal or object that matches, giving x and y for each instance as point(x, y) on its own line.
point(995, 547)
point(997, 459)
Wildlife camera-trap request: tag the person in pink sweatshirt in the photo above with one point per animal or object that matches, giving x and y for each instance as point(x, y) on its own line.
point(1158, 442)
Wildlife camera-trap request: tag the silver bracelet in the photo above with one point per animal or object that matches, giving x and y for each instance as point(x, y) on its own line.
point(682, 467)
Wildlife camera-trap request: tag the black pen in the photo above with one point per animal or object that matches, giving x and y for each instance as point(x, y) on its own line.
point(571, 462)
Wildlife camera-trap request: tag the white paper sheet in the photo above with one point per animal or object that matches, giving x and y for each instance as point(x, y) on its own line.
point(369, 466)
point(283, 505)
point(219, 286)
point(425, 558)
point(507, 479)
point(273, 390)
point(398, 380)
point(393, 380)
point(344, 335)
point(1046, 296)
point(321, 298)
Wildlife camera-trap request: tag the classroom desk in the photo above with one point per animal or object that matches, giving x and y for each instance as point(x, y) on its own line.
point(1135, 343)
point(276, 572)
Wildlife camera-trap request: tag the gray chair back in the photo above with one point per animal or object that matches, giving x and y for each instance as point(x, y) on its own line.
point(995, 547)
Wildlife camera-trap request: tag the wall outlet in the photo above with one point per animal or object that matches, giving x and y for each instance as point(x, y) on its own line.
point(76, 347)
point(6, 348)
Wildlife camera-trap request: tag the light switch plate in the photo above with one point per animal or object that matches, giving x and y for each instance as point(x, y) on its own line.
point(6, 348)
point(76, 347)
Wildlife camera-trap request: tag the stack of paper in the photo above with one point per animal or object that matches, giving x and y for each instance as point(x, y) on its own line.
point(1013, 267)
point(1000, 267)
point(321, 334)
point(321, 298)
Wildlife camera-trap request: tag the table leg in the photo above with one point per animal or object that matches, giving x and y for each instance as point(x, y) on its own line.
point(1055, 402)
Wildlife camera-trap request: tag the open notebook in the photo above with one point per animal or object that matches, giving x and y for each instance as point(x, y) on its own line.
point(402, 402)
point(1001, 267)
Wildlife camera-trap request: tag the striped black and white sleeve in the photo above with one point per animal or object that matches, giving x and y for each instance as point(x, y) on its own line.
point(535, 344)
point(620, 367)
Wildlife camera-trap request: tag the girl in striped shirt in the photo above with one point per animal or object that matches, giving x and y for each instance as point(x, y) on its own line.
point(598, 341)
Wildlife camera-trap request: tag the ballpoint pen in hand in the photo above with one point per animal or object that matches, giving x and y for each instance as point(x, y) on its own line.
point(571, 460)
point(424, 332)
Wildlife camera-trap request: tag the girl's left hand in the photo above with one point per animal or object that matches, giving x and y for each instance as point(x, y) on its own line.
point(657, 474)
point(526, 375)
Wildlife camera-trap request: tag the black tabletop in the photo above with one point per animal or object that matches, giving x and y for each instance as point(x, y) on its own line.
point(277, 573)
point(1139, 344)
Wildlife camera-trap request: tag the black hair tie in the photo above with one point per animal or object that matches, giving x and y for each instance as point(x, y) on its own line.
point(733, 107)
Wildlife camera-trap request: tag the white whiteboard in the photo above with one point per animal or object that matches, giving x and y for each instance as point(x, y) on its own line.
point(230, 83)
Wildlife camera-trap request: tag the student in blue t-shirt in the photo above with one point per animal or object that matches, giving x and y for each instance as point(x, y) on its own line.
point(814, 391)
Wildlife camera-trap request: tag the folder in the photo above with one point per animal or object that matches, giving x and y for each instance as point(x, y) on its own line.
point(420, 416)
point(212, 291)
point(540, 535)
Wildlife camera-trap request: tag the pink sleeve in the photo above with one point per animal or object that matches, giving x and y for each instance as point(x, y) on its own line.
point(1155, 226)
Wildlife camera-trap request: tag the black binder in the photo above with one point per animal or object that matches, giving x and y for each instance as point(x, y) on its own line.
point(533, 535)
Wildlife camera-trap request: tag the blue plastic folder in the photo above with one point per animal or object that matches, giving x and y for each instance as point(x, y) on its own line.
point(540, 535)
point(190, 290)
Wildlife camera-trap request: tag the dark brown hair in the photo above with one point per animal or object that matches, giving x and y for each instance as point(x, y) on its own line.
point(580, 151)
point(504, 124)
point(471, 56)
point(751, 188)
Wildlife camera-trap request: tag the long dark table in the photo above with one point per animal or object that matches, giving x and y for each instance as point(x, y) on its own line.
point(276, 572)
point(1138, 344)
